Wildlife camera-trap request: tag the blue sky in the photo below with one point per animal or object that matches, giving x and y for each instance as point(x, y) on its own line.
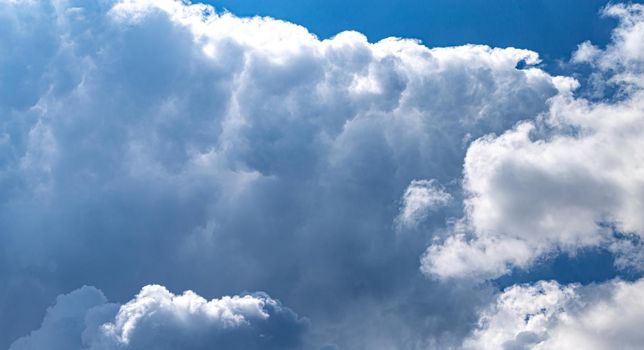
point(175, 177)
point(552, 28)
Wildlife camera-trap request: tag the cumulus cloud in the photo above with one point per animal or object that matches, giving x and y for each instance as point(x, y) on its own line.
point(547, 315)
point(158, 319)
point(571, 179)
point(162, 141)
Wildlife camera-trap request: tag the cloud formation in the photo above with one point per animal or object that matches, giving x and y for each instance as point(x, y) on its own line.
point(572, 178)
point(162, 142)
point(547, 315)
point(158, 319)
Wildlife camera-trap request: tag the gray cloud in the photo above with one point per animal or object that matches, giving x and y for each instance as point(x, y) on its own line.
point(159, 142)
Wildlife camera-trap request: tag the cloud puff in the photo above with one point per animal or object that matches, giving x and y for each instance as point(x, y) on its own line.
point(571, 179)
point(623, 58)
point(158, 319)
point(420, 197)
point(547, 315)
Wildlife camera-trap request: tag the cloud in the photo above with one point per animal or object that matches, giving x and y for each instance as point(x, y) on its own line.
point(624, 56)
point(547, 315)
point(158, 319)
point(568, 180)
point(586, 52)
point(420, 197)
point(619, 66)
point(162, 142)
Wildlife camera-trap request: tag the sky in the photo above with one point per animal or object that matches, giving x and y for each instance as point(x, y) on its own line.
point(321, 175)
point(552, 28)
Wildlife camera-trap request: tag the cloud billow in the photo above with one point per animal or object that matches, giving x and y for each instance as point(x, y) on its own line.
point(158, 319)
point(149, 142)
point(547, 315)
point(569, 180)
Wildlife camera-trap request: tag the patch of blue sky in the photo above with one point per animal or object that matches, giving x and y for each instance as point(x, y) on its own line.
point(553, 28)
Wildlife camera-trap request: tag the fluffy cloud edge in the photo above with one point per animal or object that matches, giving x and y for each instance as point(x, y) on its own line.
point(421, 197)
point(547, 315)
point(570, 179)
point(156, 318)
point(396, 60)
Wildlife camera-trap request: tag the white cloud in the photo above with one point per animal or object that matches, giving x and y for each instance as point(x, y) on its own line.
point(164, 136)
point(156, 140)
point(483, 257)
point(625, 56)
point(420, 197)
point(586, 52)
point(547, 315)
point(562, 182)
point(158, 319)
